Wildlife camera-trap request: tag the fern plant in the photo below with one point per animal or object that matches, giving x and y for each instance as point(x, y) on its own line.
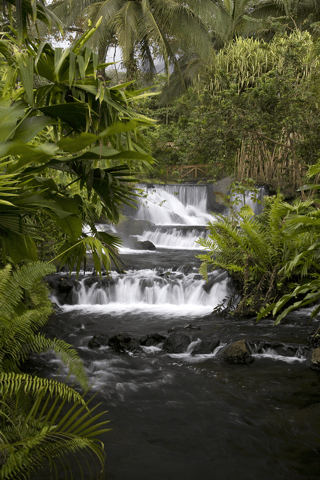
point(37, 427)
point(260, 252)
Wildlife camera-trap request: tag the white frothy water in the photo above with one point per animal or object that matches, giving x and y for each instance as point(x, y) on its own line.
point(251, 199)
point(170, 293)
point(175, 205)
point(174, 238)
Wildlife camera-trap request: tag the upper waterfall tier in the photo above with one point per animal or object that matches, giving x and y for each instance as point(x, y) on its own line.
point(174, 205)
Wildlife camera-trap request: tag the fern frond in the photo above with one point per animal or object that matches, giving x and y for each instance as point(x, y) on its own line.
point(12, 384)
point(14, 284)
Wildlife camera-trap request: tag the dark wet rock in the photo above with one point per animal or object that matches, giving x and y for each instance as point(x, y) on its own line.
point(123, 342)
point(146, 245)
point(190, 326)
point(207, 345)
point(134, 226)
point(135, 244)
point(62, 287)
point(313, 359)
point(98, 341)
point(314, 339)
point(238, 353)
point(152, 339)
point(89, 281)
point(186, 269)
point(284, 349)
point(215, 277)
point(198, 277)
point(177, 342)
point(101, 282)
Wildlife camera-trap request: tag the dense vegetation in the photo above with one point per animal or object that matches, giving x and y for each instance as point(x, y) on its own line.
point(242, 98)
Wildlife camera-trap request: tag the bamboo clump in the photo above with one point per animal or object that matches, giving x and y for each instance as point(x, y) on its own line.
point(271, 163)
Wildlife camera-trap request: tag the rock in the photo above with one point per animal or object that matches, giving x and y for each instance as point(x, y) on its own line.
point(186, 269)
point(215, 277)
point(238, 353)
point(123, 342)
point(284, 349)
point(146, 245)
point(151, 339)
point(98, 341)
point(190, 326)
point(177, 343)
point(207, 345)
point(314, 339)
point(62, 287)
point(314, 359)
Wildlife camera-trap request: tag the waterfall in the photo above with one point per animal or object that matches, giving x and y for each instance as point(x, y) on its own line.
point(175, 237)
point(249, 199)
point(149, 289)
point(174, 205)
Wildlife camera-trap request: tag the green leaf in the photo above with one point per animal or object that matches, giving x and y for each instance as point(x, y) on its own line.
point(30, 127)
point(9, 116)
point(74, 145)
point(74, 114)
point(70, 224)
point(22, 248)
point(26, 69)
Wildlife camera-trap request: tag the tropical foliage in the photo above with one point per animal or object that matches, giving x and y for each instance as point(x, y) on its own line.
point(68, 146)
point(37, 425)
point(142, 30)
point(259, 100)
point(273, 257)
point(74, 124)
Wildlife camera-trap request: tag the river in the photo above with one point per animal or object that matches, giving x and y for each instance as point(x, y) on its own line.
point(184, 416)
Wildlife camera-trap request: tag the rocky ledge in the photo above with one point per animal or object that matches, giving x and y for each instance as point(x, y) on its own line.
point(192, 340)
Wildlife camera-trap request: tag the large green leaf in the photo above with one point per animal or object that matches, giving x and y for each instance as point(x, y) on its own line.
point(74, 114)
point(21, 247)
point(74, 145)
point(30, 127)
point(9, 116)
point(28, 153)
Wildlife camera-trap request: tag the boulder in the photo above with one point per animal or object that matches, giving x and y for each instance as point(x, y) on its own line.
point(151, 339)
point(207, 345)
point(238, 353)
point(177, 342)
point(215, 277)
point(98, 341)
point(314, 359)
point(146, 245)
point(123, 342)
point(62, 287)
point(314, 339)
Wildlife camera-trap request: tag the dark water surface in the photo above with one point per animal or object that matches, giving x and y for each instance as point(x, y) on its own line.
point(184, 417)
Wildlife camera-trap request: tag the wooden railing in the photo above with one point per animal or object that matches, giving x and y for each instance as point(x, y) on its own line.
point(193, 171)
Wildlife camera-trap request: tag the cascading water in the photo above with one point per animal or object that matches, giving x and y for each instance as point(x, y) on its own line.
point(189, 415)
point(175, 237)
point(174, 205)
point(142, 290)
point(255, 201)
